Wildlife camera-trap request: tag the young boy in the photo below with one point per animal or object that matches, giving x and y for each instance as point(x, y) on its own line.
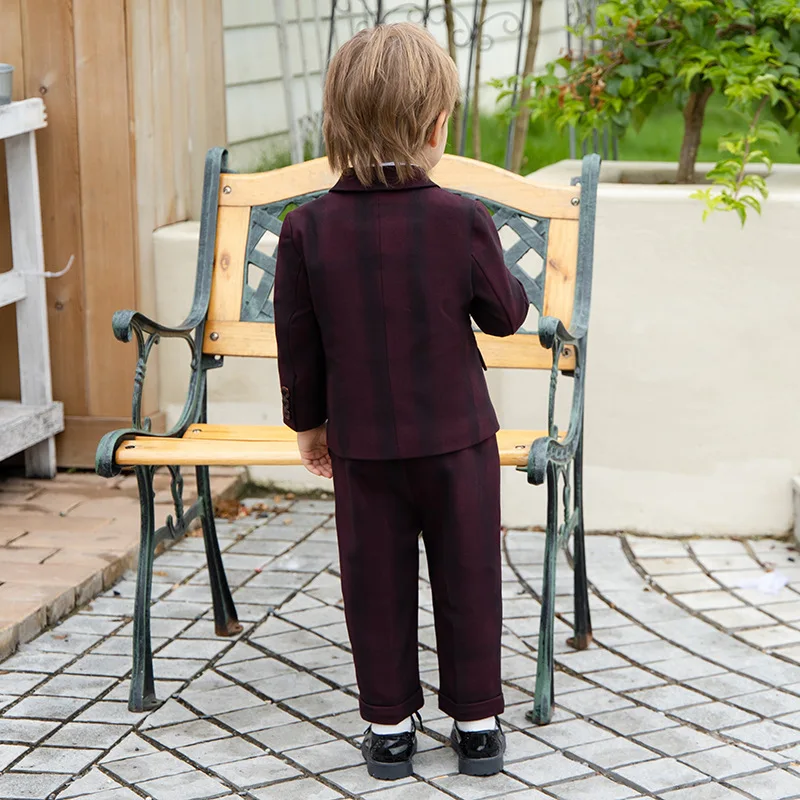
point(382, 378)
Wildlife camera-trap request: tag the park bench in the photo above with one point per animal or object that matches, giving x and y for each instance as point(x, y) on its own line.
point(548, 236)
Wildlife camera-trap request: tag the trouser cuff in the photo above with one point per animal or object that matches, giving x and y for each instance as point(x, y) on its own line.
point(391, 715)
point(467, 712)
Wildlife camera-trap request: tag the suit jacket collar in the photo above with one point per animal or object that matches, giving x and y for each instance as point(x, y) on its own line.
point(350, 183)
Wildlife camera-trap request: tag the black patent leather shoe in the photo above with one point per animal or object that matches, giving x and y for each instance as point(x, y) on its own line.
point(389, 757)
point(480, 752)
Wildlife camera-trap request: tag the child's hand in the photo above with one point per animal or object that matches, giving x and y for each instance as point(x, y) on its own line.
point(314, 453)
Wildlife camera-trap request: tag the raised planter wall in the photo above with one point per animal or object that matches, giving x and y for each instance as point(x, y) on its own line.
point(694, 374)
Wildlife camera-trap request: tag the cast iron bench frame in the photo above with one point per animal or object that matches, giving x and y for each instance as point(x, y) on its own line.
point(231, 316)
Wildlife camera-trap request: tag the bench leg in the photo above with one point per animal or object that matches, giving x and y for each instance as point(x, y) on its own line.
point(226, 623)
point(142, 692)
point(544, 698)
point(582, 637)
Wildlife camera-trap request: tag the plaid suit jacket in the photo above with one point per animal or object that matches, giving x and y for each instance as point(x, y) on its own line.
point(374, 291)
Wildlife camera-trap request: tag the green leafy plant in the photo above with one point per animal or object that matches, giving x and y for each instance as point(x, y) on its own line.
point(648, 53)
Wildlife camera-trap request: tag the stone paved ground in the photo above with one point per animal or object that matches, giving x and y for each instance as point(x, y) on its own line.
point(691, 692)
point(63, 541)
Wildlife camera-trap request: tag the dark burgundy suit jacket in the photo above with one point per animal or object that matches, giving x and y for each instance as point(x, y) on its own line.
point(374, 291)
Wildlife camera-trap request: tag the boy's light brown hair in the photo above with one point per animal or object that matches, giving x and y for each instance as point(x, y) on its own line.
point(384, 91)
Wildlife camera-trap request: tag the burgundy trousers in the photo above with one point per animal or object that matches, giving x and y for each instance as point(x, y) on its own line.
point(381, 508)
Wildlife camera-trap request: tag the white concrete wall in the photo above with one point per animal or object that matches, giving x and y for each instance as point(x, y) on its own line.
point(693, 384)
point(256, 109)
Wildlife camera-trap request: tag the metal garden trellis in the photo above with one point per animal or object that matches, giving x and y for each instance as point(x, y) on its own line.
point(470, 35)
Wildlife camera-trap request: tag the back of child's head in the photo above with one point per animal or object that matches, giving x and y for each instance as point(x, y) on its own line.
point(384, 92)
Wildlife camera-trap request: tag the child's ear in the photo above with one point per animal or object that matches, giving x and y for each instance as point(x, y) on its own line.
point(438, 130)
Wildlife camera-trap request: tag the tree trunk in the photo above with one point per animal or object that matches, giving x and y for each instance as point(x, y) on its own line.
point(476, 111)
point(523, 117)
point(450, 24)
point(693, 116)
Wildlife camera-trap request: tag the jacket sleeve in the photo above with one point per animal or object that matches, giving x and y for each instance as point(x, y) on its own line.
point(499, 303)
point(301, 358)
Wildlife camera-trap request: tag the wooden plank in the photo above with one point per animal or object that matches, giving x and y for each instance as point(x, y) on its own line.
point(453, 172)
point(12, 288)
point(562, 265)
point(255, 446)
point(140, 80)
point(107, 207)
point(257, 339)
point(180, 78)
point(50, 73)
point(164, 179)
point(233, 225)
point(77, 445)
point(205, 91)
point(22, 117)
point(11, 49)
point(26, 427)
point(36, 388)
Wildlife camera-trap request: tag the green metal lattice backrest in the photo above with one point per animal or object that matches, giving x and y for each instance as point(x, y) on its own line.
point(538, 227)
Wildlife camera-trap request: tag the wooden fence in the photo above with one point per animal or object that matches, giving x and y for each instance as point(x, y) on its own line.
point(134, 91)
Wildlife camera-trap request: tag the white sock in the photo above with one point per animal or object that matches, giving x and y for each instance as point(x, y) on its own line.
point(387, 730)
point(488, 724)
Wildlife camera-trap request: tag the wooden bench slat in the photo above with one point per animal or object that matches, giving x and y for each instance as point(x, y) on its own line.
point(452, 172)
point(257, 339)
point(263, 445)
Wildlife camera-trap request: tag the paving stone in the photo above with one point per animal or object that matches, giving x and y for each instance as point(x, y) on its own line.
point(290, 737)
point(58, 759)
point(611, 753)
point(218, 701)
point(32, 661)
point(170, 712)
point(591, 660)
point(725, 685)
point(660, 775)
point(776, 784)
point(299, 789)
point(9, 753)
point(24, 730)
point(187, 733)
point(707, 791)
point(414, 791)
point(596, 788)
point(322, 704)
point(132, 745)
point(288, 685)
point(655, 650)
point(110, 711)
point(75, 686)
point(256, 771)
point(665, 698)
point(703, 601)
point(733, 618)
point(630, 721)
point(93, 782)
point(18, 683)
point(88, 734)
point(547, 769)
point(681, 669)
point(256, 718)
point(678, 741)
point(330, 755)
point(21, 786)
point(625, 679)
point(766, 735)
point(769, 703)
point(144, 768)
point(714, 716)
point(467, 788)
point(571, 733)
point(46, 707)
point(521, 746)
point(221, 751)
point(593, 701)
point(186, 786)
point(725, 762)
point(196, 649)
